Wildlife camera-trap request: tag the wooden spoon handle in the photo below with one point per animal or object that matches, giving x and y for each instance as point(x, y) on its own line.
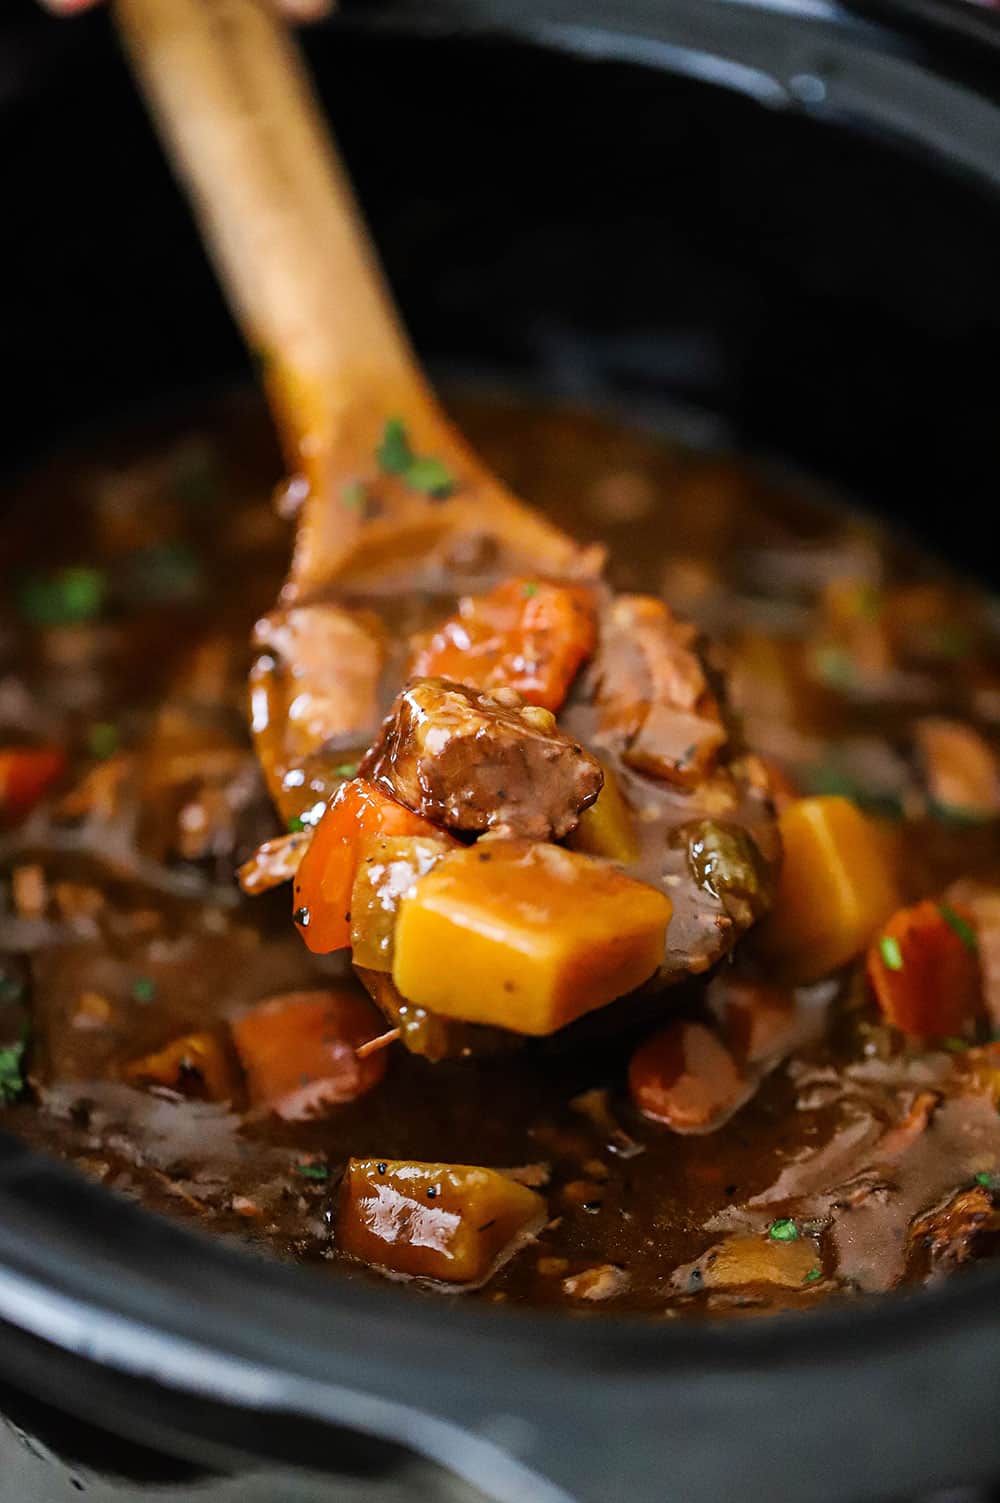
point(233, 101)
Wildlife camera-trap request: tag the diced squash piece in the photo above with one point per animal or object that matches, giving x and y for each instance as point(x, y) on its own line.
point(298, 1051)
point(526, 634)
point(607, 827)
point(836, 888)
point(197, 1064)
point(526, 936)
point(452, 1222)
point(388, 870)
point(26, 773)
point(357, 813)
point(924, 969)
point(753, 1260)
point(685, 1077)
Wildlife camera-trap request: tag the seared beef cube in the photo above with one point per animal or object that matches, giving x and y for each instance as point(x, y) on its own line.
point(478, 762)
point(653, 698)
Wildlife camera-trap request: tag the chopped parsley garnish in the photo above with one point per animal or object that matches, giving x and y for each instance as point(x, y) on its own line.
point(421, 472)
point(354, 495)
point(295, 824)
point(783, 1230)
point(984, 1179)
point(813, 1275)
point(868, 602)
point(955, 1045)
point(102, 740)
point(836, 667)
point(394, 453)
point(346, 769)
point(165, 572)
point(64, 597)
point(11, 1069)
point(143, 989)
point(529, 590)
point(892, 955)
point(961, 926)
point(430, 476)
point(318, 1172)
point(11, 989)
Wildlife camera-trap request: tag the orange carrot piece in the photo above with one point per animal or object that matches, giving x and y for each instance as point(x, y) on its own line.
point(757, 1018)
point(526, 634)
point(924, 969)
point(357, 813)
point(26, 773)
point(196, 1064)
point(685, 1077)
point(300, 1055)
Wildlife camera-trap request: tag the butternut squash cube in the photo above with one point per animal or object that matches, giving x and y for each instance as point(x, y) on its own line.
point(526, 936)
point(452, 1222)
point(607, 827)
point(836, 888)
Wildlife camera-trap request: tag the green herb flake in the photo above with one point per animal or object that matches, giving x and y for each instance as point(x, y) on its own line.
point(955, 1045)
point(143, 989)
point(783, 1230)
point(346, 769)
point(295, 824)
point(961, 926)
point(354, 495)
point(984, 1179)
point(868, 602)
point(813, 1275)
point(102, 740)
point(12, 1069)
point(836, 667)
point(317, 1172)
point(166, 572)
point(394, 454)
point(430, 476)
point(529, 590)
point(892, 955)
point(65, 597)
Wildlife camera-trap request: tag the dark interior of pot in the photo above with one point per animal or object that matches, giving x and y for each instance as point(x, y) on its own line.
point(594, 228)
point(778, 281)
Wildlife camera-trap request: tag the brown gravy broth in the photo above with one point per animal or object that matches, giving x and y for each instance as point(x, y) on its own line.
point(121, 925)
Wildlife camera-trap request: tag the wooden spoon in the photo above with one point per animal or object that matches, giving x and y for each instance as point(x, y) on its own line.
point(233, 102)
point(234, 105)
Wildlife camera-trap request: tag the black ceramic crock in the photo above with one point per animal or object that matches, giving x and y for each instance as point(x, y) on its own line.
point(782, 223)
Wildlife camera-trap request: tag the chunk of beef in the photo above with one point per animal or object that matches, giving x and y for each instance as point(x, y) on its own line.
point(316, 680)
point(966, 1226)
point(477, 762)
point(652, 695)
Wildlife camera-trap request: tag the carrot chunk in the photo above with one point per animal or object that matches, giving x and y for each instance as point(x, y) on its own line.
point(26, 773)
point(452, 1222)
point(358, 813)
point(961, 770)
point(685, 1077)
point(299, 1051)
point(529, 635)
point(836, 888)
point(924, 969)
point(196, 1064)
